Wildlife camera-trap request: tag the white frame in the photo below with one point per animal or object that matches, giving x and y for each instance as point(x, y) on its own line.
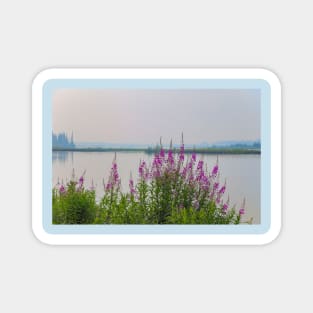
point(156, 239)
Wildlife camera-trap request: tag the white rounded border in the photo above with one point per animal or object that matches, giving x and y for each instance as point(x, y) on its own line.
point(157, 73)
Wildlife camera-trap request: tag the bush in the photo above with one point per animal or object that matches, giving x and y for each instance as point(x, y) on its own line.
point(74, 204)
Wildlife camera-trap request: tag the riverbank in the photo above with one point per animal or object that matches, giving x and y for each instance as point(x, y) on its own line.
point(153, 151)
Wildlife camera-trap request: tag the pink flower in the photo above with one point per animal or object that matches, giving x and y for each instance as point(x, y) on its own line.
point(205, 183)
point(62, 189)
point(225, 207)
point(201, 176)
point(170, 158)
point(108, 187)
point(157, 160)
point(156, 174)
point(222, 190)
point(215, 186)
point(142, 166)
point(200, 165)
point(193, 157)
point(242, 211)
point(114, 179)
point(162, 153)
point(131, 186)
point(115, 173)
point(215, 170)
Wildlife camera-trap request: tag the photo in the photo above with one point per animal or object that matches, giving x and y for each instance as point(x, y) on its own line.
point(156, 156)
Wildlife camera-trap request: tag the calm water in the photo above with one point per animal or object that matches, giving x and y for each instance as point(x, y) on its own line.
point(242, 173)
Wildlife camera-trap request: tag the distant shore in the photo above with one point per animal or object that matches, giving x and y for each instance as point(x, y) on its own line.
point(213, 150)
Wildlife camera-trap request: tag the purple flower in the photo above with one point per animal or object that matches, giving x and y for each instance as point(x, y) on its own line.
point(222, 190)
point(81, 180)
point(225, 207)
point(215, 170)
point(114, 180)
point(143, 171)
point(200, 176)
point(141, 168)
point(193, 157)
point(200, 165)
point(242, 211)
point(157, 161)
point(62, 189)
point(162, 153)
point(131, 186)
point(205, 183)
point(115, 173)
point(108, 186)
point(170, 158)
point(156, 173)
point(215, 186)
point(140, 171)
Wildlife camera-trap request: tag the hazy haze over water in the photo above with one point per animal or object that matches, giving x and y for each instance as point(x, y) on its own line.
point(143, 116)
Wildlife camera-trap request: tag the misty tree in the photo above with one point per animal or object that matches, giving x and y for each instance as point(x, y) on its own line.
point(62, 140)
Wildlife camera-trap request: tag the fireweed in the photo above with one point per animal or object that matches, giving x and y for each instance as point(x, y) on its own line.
point(172, 189)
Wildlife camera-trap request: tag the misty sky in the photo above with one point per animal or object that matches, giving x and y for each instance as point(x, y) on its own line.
point(143, 116)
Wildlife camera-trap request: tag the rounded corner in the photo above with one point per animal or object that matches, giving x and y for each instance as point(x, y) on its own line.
point(270, 77)
point(272, 235)
point(42, 76)
point(41, 235)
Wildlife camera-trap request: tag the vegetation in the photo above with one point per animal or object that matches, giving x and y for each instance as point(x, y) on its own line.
point(174, 189)
point(62, 141)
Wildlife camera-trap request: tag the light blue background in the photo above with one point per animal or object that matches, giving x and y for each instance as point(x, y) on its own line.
point(54, 84)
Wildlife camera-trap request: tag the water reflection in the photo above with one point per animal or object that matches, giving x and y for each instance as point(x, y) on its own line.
point(63, 156)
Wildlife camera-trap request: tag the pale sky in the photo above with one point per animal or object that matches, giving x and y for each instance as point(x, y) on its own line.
point(143, 116)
